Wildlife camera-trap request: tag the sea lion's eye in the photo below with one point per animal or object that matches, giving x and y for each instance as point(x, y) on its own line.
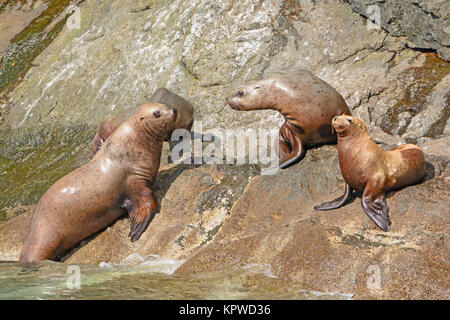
point(142, 118)
point(350, 120)
point(256, 88)
point(157, 114)
point(241, 93)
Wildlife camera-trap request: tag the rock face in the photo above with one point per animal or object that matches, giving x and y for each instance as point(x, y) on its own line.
point(425, 22)
point(205, 50)
point(221, 216)
point(217, 216)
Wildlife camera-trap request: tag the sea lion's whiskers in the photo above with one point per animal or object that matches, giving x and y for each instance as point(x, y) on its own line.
point(155, 135)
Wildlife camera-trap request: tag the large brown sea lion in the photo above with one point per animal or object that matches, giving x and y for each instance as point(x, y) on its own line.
point(307, 103)
point(369, 169)
point(116, 180)
point(185, 116)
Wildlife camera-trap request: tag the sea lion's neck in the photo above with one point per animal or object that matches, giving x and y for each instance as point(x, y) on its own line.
point(286, 110)
point(132, 145)
point(352, 144)
point(350, 139)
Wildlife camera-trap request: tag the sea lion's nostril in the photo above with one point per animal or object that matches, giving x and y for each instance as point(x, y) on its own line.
point(157, 114)
point(175, 111)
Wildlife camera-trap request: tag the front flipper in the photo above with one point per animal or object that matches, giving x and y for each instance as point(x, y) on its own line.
point(375, 207)
point(297, 147)
point(336, 203)
point(143, 205)
point(140, 219)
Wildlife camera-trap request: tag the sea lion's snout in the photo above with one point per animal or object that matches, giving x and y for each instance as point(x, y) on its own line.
point(232, 102)
point(338, 124)
point(235, 101)
point(344, 125)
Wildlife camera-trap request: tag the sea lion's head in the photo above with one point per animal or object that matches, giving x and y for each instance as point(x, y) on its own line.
point(185, 108)
point(347, 125)
point(158, 120)
point(254, 96)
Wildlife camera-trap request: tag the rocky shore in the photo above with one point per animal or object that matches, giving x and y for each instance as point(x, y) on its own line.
point(215, 217)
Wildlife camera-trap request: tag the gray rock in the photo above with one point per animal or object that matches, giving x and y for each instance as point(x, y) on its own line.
point(425, 22)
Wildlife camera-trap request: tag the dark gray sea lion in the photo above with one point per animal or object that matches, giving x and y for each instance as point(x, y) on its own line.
point(162, 95)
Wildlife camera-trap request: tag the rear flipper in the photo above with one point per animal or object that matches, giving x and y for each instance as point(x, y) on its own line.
point(376, 208)
point(284, 148)
point(297, 148)
point(338, 202)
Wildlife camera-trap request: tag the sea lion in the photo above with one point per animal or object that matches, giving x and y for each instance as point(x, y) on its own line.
point(116, 180)
point(307, 103)
point(185, 116)
point(371, 170)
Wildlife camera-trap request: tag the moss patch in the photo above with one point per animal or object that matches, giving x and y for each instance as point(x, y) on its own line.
point(29, 43)
point(413, 102)
point(32, 162)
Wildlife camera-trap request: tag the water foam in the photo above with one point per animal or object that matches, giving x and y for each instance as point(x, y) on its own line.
point(264, 268)
point(151, 262)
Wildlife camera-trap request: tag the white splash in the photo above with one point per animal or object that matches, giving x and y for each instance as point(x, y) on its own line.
point(106, 265)
point(155, 262)
point(346, 296)
point(264, 268)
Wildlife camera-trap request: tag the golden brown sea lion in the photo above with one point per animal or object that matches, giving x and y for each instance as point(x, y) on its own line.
point(371, 170)
point(307, 103)
point(116, 180)
point(184, 120)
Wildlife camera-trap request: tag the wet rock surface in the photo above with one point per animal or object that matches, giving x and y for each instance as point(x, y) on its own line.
point(221, 216)
point(26, 28)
